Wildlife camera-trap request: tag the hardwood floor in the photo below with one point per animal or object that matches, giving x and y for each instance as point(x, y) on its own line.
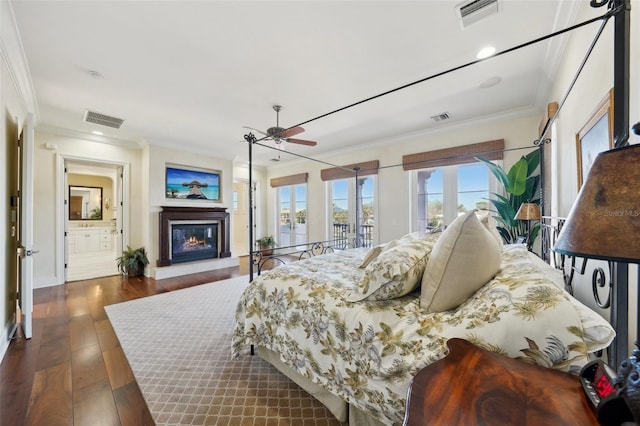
point(73, 370)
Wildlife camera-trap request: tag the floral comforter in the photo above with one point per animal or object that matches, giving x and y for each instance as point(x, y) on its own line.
point(367, 352)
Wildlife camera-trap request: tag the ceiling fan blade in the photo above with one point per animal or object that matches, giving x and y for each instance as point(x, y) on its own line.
point(302, 142)
point(255, 130)
point(292, 132)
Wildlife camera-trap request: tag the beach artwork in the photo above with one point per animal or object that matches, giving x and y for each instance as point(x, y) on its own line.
point(192, 184)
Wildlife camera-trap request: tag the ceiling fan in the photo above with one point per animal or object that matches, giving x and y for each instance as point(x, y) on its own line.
point(280, 134)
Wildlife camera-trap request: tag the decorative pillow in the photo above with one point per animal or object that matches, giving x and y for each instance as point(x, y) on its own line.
point(411, 236)
point(371, 254)
point(420, 236)
point(375, 252)
point(395, 272)
point(490, 223)
point(463, 259)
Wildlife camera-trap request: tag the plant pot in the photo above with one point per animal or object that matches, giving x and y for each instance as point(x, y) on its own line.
point(134, 272)
point(266, 250)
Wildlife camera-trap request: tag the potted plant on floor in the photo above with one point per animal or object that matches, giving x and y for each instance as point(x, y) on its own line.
point(133, 261)
point(266, 245)
point(521, 185)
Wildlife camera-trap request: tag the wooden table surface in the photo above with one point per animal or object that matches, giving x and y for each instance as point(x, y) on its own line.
point(473, 386)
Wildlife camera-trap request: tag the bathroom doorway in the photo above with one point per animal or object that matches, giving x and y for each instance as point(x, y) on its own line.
point(93, 215)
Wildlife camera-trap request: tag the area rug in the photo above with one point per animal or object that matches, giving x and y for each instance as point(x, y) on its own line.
point(178, 345)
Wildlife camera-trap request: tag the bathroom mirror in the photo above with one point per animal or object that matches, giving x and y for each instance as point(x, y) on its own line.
point(85, 203)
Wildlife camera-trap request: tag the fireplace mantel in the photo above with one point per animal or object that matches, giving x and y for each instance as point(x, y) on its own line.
point(169, 214)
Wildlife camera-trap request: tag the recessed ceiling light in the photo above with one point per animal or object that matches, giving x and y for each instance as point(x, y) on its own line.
point(485, 52)
point(490, 82)
point(96, 132)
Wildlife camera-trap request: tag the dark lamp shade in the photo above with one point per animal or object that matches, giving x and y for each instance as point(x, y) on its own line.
point(604, 222)
point(528, 211)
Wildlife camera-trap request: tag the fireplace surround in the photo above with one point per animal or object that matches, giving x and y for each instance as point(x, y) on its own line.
point(196, 215)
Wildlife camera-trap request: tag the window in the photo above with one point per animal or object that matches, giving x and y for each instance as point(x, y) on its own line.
point(473, 187)
point(445, 192)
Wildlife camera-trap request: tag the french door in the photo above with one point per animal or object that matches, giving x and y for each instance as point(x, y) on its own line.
point(352, 210)
point(292, 215)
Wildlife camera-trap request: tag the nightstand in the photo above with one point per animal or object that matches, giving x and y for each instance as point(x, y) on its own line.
point(473, 386)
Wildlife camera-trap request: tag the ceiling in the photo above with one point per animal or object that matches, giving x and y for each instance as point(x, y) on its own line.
point(191, 74)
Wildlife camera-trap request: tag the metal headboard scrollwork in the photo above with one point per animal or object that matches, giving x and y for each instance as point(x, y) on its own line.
point(550, 229)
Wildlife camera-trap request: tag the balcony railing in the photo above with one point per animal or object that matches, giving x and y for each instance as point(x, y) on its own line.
point(341, 232)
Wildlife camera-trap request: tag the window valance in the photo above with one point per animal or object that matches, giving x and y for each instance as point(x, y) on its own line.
point(289, 180)
point(491, 150)
point(344, 172)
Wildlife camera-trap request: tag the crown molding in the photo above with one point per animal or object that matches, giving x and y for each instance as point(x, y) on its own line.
point(13, 57)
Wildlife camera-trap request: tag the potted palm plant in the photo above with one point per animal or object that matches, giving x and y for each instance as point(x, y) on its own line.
point(266, 245)
point(133, 261)
point(521, 186)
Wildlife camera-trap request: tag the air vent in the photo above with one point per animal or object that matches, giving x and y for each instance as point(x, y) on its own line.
point(441, 117)
point(102, 119)
point(472, 11)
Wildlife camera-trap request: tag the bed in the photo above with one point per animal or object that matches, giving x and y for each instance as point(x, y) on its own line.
point(353, 327)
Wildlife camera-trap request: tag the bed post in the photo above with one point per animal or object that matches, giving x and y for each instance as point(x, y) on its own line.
point(250, 138)
point(358, 201)
point(620, 271)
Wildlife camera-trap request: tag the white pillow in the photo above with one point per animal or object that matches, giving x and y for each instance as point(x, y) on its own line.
point(463, 259)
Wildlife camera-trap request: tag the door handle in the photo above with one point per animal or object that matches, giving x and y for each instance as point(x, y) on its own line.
point(22, 252)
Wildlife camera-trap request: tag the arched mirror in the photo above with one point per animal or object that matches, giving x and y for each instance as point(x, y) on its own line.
point(85, 203)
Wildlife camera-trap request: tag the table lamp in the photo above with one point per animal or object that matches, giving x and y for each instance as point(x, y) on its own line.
point(528, 212)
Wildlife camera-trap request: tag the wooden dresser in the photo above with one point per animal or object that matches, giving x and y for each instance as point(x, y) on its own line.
point(473, 386)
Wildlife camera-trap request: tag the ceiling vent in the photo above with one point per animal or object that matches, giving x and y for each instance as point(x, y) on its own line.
point(472, 11)
point(441, 117)
point(102, 119)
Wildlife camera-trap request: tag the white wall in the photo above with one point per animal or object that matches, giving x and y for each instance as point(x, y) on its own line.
point(393, 183)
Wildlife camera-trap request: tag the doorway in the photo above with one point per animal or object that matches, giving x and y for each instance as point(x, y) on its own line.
point(292, 215)
point(240, 218)
point(94, 232)
point(348, 196)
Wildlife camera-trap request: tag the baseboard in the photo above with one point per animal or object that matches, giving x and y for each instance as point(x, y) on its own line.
point(193, 267)
point(7, 333)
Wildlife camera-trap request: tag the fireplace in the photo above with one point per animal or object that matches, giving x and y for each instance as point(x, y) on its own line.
point(189, 234)
point(193, 240)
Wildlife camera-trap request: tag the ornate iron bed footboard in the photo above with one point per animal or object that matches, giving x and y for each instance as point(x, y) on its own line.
point(283, 255)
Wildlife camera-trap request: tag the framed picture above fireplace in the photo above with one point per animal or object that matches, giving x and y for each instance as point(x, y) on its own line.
point(192, 184)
